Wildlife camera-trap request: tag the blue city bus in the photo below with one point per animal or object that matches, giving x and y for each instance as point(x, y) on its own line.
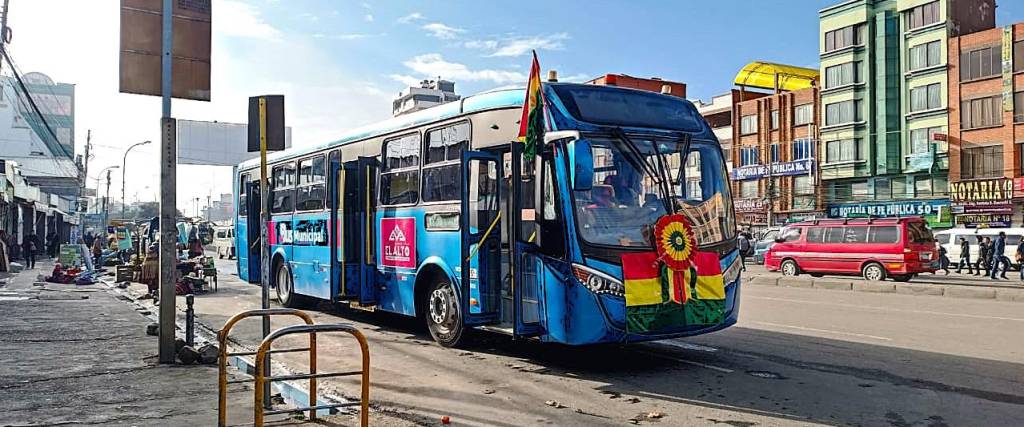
point(437, 214)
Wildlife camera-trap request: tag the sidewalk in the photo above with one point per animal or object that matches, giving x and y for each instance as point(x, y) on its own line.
point(78, 355)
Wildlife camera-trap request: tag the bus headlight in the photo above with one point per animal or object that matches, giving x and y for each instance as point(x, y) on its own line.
point(598, 282)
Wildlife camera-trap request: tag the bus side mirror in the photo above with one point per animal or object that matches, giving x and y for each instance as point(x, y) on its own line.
point(582, 162)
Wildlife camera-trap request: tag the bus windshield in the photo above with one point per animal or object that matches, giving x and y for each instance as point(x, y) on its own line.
point(624, 202)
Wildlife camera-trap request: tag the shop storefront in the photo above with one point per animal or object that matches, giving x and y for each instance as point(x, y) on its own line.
point(935, 211)
point(751, 213)
point(983, 203)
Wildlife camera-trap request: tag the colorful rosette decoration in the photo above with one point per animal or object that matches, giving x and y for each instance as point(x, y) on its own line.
point(676, 246)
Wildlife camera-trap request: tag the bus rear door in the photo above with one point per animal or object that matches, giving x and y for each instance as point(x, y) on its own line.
point(480, 222)
point(353, 273)
point(253, 227)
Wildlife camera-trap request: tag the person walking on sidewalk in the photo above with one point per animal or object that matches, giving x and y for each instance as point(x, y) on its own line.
point(28, 247)
point(999, 256)
point(965, 257)
point(943, 259)
point(1020, 259)
point(983, 248)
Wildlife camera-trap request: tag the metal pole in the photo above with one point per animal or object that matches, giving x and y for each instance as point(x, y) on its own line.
point(124, 168)
point(168, 196)
point(264, 247)
point(106, 206)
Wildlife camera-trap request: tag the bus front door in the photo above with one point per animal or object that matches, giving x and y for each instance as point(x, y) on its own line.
point(253, 227)
point(480, 222)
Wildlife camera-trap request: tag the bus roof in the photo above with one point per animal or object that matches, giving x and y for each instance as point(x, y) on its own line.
point(501, 98)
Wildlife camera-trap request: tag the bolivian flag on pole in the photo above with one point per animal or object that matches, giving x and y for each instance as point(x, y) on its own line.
point(531, 125)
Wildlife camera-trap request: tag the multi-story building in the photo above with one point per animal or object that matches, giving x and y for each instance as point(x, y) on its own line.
point(653, 84)
point(718, 114)
point(429, 94)
point(986, 115)
point(775, 179)
point(884, 98)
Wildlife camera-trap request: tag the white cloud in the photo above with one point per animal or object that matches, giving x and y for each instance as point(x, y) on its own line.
point(410, 18)
point(354, 36)
point(238, 19)
point(434, 65)
point(366, 5)
point(368, 17)
point(442, 31)
point(405, 79)
point(518, 46)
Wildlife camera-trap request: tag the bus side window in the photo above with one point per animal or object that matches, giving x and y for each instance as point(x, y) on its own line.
point(550, 236)
point(283, 188)
point(311, 192)
point(243, 197)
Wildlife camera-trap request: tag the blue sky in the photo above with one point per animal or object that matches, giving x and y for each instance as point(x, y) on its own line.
point(340, 63)
point(701, 43)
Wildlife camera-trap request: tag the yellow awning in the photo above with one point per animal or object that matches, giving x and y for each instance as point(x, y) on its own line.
point(763, 75)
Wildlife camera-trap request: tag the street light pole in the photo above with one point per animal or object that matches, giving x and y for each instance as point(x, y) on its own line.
point(107, 198)
point(124, 165)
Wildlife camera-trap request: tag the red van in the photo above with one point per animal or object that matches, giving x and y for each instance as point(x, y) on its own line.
point(899, 248)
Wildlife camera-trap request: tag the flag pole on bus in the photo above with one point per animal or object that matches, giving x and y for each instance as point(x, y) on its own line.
point(531, 124)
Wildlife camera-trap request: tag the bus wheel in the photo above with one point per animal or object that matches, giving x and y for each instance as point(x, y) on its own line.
point(873, 272)
point(789, 268)
point(285, 286)
point(443, 315)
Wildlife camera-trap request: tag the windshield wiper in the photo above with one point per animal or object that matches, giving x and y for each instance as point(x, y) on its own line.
point(686, 140)
point(650, 169)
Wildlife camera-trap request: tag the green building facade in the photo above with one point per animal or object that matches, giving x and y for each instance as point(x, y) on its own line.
point(884, 103)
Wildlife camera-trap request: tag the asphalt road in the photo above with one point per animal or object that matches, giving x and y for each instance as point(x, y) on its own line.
point(797, 357)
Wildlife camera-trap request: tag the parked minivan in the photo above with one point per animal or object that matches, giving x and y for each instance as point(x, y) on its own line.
point(763, 242)
point(950, 239)
point(899, 248)
point(224, 241)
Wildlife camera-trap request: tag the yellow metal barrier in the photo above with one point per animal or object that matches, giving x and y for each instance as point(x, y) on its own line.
point(364, 400)
point(222, 341)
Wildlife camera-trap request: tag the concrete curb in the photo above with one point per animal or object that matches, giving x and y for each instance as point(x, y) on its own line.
point(953, 291)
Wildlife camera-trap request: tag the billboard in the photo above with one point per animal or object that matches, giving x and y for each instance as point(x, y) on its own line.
point(216, 143)
point(141, 48)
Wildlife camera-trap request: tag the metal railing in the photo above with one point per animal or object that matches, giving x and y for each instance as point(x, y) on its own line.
point(261, 361)
point(364, 399)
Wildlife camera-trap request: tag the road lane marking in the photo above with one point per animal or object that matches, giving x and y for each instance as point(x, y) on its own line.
point(826, 331)
point(689, 362)
point(939, 313)
point(688, 346)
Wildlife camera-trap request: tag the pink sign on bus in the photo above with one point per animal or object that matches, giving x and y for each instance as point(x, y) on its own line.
point(398, 242)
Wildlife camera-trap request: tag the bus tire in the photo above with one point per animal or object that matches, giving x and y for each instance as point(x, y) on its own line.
point(285, 286)
point(873, 272)
point(443, 314)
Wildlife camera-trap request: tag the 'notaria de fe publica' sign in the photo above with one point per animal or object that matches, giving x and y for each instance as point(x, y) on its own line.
point(980, 193)
point(798, 167)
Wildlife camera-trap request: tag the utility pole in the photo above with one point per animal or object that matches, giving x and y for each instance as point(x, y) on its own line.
point(3, 30)
point(85, 167)
point(168, 190)
point(106, 204)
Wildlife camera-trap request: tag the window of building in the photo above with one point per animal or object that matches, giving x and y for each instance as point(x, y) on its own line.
point(981, 63)
point(749, 189)
point(899, 188)
point(282, 191)
point(839, 192)
point(860, 190)
point(842, 74)
point(981, 162)
point(925, 14)
point(803, 114)
point(442, 163)
point(843, 150)
point(400, 173)
point(774, 150)
point(922, 186)
point(927, 97)
point(748, 124)
point(1018, 106)
point(750, 156)
point(1018, 56)
point(925, 55)
point(981, 112)
point(940, 186)
point(773, 119)
point(921, 139)
point(803, 149)
point(803, 192)
point(851, 35)
point(842, 112)
point(311, 192)
point(883, 191)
